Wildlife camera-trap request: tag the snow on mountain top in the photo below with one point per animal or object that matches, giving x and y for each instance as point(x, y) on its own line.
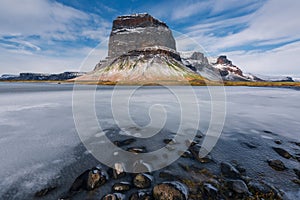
point(132, 15)
point(138, 15)
point(186, 54)
point(212, 60)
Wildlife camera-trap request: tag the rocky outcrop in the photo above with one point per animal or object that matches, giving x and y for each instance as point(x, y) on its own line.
point(228, 66)
point(137, 31)
point(199, 63)
point(230, 72)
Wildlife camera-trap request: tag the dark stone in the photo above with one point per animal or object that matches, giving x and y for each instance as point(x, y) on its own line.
point(141, 195)
point(121, 187)
point(278, 141)
point(186, 154)
point(115, 196)
point(229, 171)
point(117, 172)
point(210, 191)
point(137, 150)
point(142, 180)
point(168, 175)
point(89, 180)
point(124, 142)
point(169, 141)
point(238, 186)
point(249, 145)
point(44, 191)
point(170, 191)
point(239, 167)
point(297, 172)
point(269, 132)
point(297, 181)
point(296, 143)
point(262, 190)
point(282, 152)
point(277, 165)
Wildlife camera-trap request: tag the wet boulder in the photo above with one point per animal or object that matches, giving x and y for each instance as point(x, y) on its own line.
point(141, 195)
point(238, 186)
point(118, 171)
point(278, 165)
point(282, 152)
point(142, 180)
point(170, 191)
point(114, 196)
point(229, 170)
point(121, 187)
point(89, 180)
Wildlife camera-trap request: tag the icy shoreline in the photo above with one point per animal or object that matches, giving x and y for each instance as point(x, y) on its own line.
point(40, 146)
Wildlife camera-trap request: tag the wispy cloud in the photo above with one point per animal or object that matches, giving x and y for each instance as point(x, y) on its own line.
point(283, 60)
point(44, 35)
point(273, 23)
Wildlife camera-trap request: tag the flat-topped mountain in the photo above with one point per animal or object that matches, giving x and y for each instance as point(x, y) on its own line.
point(137, 31)
point(141, 49)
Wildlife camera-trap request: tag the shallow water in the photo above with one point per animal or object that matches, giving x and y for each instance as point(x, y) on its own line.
point(38, 133)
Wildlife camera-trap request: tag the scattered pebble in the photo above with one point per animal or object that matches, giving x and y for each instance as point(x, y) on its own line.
point(121, 187)
point(277, 165)
point(141, 195)
point(282, 152)
point(229, 171)
point(278, 141)
point(45, 191)
point(238, 186)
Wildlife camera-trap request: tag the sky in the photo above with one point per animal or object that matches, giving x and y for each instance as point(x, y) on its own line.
point(53, 36)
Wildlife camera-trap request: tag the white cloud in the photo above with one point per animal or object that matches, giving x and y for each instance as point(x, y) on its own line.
point(189, 9)
point(34, 17)
point(284, 60)
point(274, 23)
point(83, 59)
point(33, 35)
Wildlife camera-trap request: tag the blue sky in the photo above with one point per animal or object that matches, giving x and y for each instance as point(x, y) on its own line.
point(260, 36)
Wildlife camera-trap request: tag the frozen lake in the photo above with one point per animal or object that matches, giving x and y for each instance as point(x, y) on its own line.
point(38, 133)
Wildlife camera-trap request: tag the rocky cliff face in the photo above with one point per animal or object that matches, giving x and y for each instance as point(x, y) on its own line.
point(141, 50)
point(138, 31)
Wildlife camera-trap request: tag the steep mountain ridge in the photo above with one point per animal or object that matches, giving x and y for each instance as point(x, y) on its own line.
point(146, 65)
point(141, 49)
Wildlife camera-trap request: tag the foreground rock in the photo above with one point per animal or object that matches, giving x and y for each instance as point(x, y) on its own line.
point(277, 165)
point(142, 181)
point(282, 152)
point(170, 191)
point(229, 170)
point(89, 180)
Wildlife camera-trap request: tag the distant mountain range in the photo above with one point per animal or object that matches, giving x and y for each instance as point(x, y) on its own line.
point(41, 77)
point(142, 49)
